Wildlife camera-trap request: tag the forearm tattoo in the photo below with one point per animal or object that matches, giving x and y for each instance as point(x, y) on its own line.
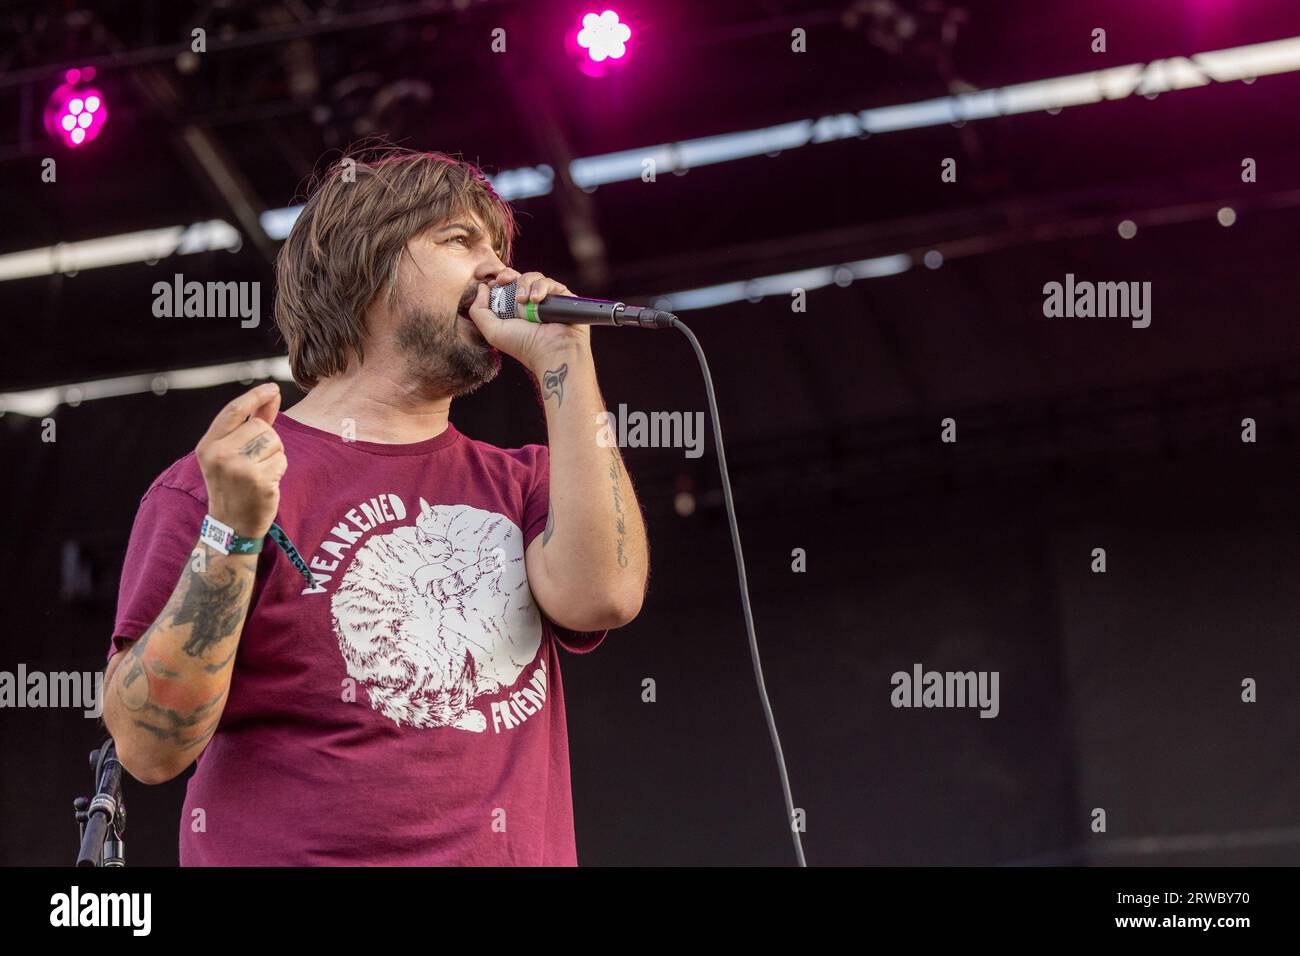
point(185, 731)
point(614, 476)
point(213, 603)
point(553, 382)
point(213, 608)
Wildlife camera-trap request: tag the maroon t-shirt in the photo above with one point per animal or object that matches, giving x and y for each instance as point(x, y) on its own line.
point(407, 709)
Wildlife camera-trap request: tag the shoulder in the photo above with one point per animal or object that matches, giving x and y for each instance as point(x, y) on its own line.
point(183, 476)
point(522, 463)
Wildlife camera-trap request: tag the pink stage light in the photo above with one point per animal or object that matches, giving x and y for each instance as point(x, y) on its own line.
point(601, 43)
point(75, 113)
point(603, 36)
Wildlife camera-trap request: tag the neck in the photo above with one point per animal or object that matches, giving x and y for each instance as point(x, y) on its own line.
point(384, 406)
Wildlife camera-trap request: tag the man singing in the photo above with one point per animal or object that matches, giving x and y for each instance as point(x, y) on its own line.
point(395, 698)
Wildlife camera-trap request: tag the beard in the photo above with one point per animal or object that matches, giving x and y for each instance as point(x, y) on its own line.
point(442, 359)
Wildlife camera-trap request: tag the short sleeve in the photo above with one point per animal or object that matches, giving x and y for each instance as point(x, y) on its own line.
point(537, 506)
point(163, 538)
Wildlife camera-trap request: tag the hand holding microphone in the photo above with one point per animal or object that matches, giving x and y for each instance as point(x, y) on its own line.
point(574, 310)
point(554, 321)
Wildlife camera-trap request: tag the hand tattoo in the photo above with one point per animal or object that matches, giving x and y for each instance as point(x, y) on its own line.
point(254, 447)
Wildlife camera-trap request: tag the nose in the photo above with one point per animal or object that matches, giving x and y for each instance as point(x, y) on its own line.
point(490, 267)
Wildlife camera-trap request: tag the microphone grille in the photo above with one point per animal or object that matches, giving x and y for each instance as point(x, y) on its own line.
point(501, 300)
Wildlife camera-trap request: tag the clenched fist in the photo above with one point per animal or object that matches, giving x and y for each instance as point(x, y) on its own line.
point(242, 459)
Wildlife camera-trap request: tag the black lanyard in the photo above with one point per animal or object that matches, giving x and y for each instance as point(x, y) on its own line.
point(279, 537)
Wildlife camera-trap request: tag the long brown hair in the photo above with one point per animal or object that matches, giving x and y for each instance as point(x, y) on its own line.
point(345, 246)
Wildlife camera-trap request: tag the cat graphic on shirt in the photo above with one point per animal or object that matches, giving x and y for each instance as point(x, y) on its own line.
point(437, 613)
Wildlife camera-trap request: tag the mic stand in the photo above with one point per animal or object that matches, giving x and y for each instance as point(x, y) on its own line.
point(102, 819)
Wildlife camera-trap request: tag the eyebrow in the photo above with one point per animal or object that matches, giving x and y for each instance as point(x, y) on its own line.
point(473, 231)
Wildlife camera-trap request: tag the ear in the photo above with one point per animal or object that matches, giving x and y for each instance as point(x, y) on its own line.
point(424, 507)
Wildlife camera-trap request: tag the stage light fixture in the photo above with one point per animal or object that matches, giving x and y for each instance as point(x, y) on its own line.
point(601, 43)
point(76, 113)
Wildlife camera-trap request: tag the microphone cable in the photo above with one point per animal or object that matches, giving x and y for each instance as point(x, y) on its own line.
point(576, 310)
point(676, 323)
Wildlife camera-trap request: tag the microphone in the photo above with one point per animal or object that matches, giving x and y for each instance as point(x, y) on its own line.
point(573, 310)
